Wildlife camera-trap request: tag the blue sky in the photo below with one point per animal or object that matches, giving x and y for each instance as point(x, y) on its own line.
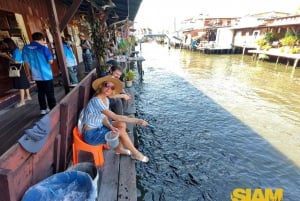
point(159, 14)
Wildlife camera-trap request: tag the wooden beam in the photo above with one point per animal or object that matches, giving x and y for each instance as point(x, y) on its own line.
point(70, 14)
point(58, 43)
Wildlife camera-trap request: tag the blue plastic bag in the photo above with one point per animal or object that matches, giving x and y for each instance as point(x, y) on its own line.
point(65, 186)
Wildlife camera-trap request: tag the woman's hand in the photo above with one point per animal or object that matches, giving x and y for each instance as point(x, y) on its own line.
point(115, 129)
point(126, 97)
point(142, 122)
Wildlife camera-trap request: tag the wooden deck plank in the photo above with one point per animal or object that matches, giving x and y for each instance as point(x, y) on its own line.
point(127, 180)
point(15, 120)
point(109, 179)
point(118, 180)
point(127, 177)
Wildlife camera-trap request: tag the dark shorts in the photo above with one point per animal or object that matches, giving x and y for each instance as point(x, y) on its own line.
point(95, 136)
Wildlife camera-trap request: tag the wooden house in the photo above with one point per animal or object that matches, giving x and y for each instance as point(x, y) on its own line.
point(253, 27)
point(204, 29)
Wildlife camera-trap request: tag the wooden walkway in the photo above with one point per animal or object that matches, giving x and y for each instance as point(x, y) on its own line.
point(278, 54)
point(13, 121)
point(118, 177)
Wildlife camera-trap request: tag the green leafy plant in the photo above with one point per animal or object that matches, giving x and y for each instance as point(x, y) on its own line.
point(129, 75)
point(132, 40)
point(99, 35)
point(269, 36)
point(289, 41)
point(266, 47)
point(294, 50)
point(261, 42)
point(123, 46)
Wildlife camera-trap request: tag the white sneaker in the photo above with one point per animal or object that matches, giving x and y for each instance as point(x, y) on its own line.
point(44, 111)
point(73, 85)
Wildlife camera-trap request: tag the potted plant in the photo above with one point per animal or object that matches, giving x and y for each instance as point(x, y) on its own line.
point(261, 42)
point(129, 77)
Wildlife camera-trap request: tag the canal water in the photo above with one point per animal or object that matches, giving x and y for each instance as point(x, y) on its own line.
point(221, 122)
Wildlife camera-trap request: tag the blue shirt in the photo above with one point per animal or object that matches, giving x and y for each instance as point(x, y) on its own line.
point(38, 57)
point(93, 116)
point(69, 55)
point(17, 56)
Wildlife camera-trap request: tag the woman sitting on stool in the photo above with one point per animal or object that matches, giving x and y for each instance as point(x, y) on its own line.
point(97, 112)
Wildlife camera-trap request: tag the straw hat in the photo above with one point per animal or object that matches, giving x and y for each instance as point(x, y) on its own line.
point(118, 84)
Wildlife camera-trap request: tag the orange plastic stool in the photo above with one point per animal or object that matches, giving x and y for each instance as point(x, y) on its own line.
point(80, 145)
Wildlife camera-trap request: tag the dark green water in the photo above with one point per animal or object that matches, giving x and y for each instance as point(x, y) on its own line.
point(222, 122)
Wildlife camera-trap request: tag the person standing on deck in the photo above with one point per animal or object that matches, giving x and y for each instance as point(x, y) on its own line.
point(70, 62)
point(86, 53)
point(22, 82)
point(39, 58)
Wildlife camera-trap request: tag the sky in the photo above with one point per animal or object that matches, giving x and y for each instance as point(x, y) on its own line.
point(161, 14)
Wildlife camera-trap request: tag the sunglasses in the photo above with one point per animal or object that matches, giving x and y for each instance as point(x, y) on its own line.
point(110, 86)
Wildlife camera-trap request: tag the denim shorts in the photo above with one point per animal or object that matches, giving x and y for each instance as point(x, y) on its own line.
point(95, 136)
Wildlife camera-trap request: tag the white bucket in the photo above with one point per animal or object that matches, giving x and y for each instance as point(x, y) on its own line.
point(112, 138)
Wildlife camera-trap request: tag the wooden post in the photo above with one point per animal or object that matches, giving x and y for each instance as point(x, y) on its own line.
point(295, 63)
point(58, 44)
point(277, 60)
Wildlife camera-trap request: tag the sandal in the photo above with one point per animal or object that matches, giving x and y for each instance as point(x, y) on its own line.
point(127, 152)
point(143, 159)
point(19, 105)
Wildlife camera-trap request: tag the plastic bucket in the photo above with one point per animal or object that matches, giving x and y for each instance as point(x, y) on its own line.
point(89, 168)
point(112, 138)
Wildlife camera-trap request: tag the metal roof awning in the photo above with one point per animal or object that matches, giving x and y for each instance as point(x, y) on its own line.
point(123, 9)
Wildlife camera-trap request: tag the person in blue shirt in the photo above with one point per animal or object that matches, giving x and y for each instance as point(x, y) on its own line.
point(86, 53)
point(39, 58)
point(21, 83)
point(71, 62)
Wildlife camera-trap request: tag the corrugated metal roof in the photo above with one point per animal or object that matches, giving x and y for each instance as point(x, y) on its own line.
point(125, 9)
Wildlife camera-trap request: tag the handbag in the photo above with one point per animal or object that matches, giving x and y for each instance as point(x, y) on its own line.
point(14, 70)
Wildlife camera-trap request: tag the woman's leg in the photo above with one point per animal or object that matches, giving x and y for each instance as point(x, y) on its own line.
point(28, 94)
point(126, 141)
point(22, 94)
point(22, 100)
point(124, 138)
